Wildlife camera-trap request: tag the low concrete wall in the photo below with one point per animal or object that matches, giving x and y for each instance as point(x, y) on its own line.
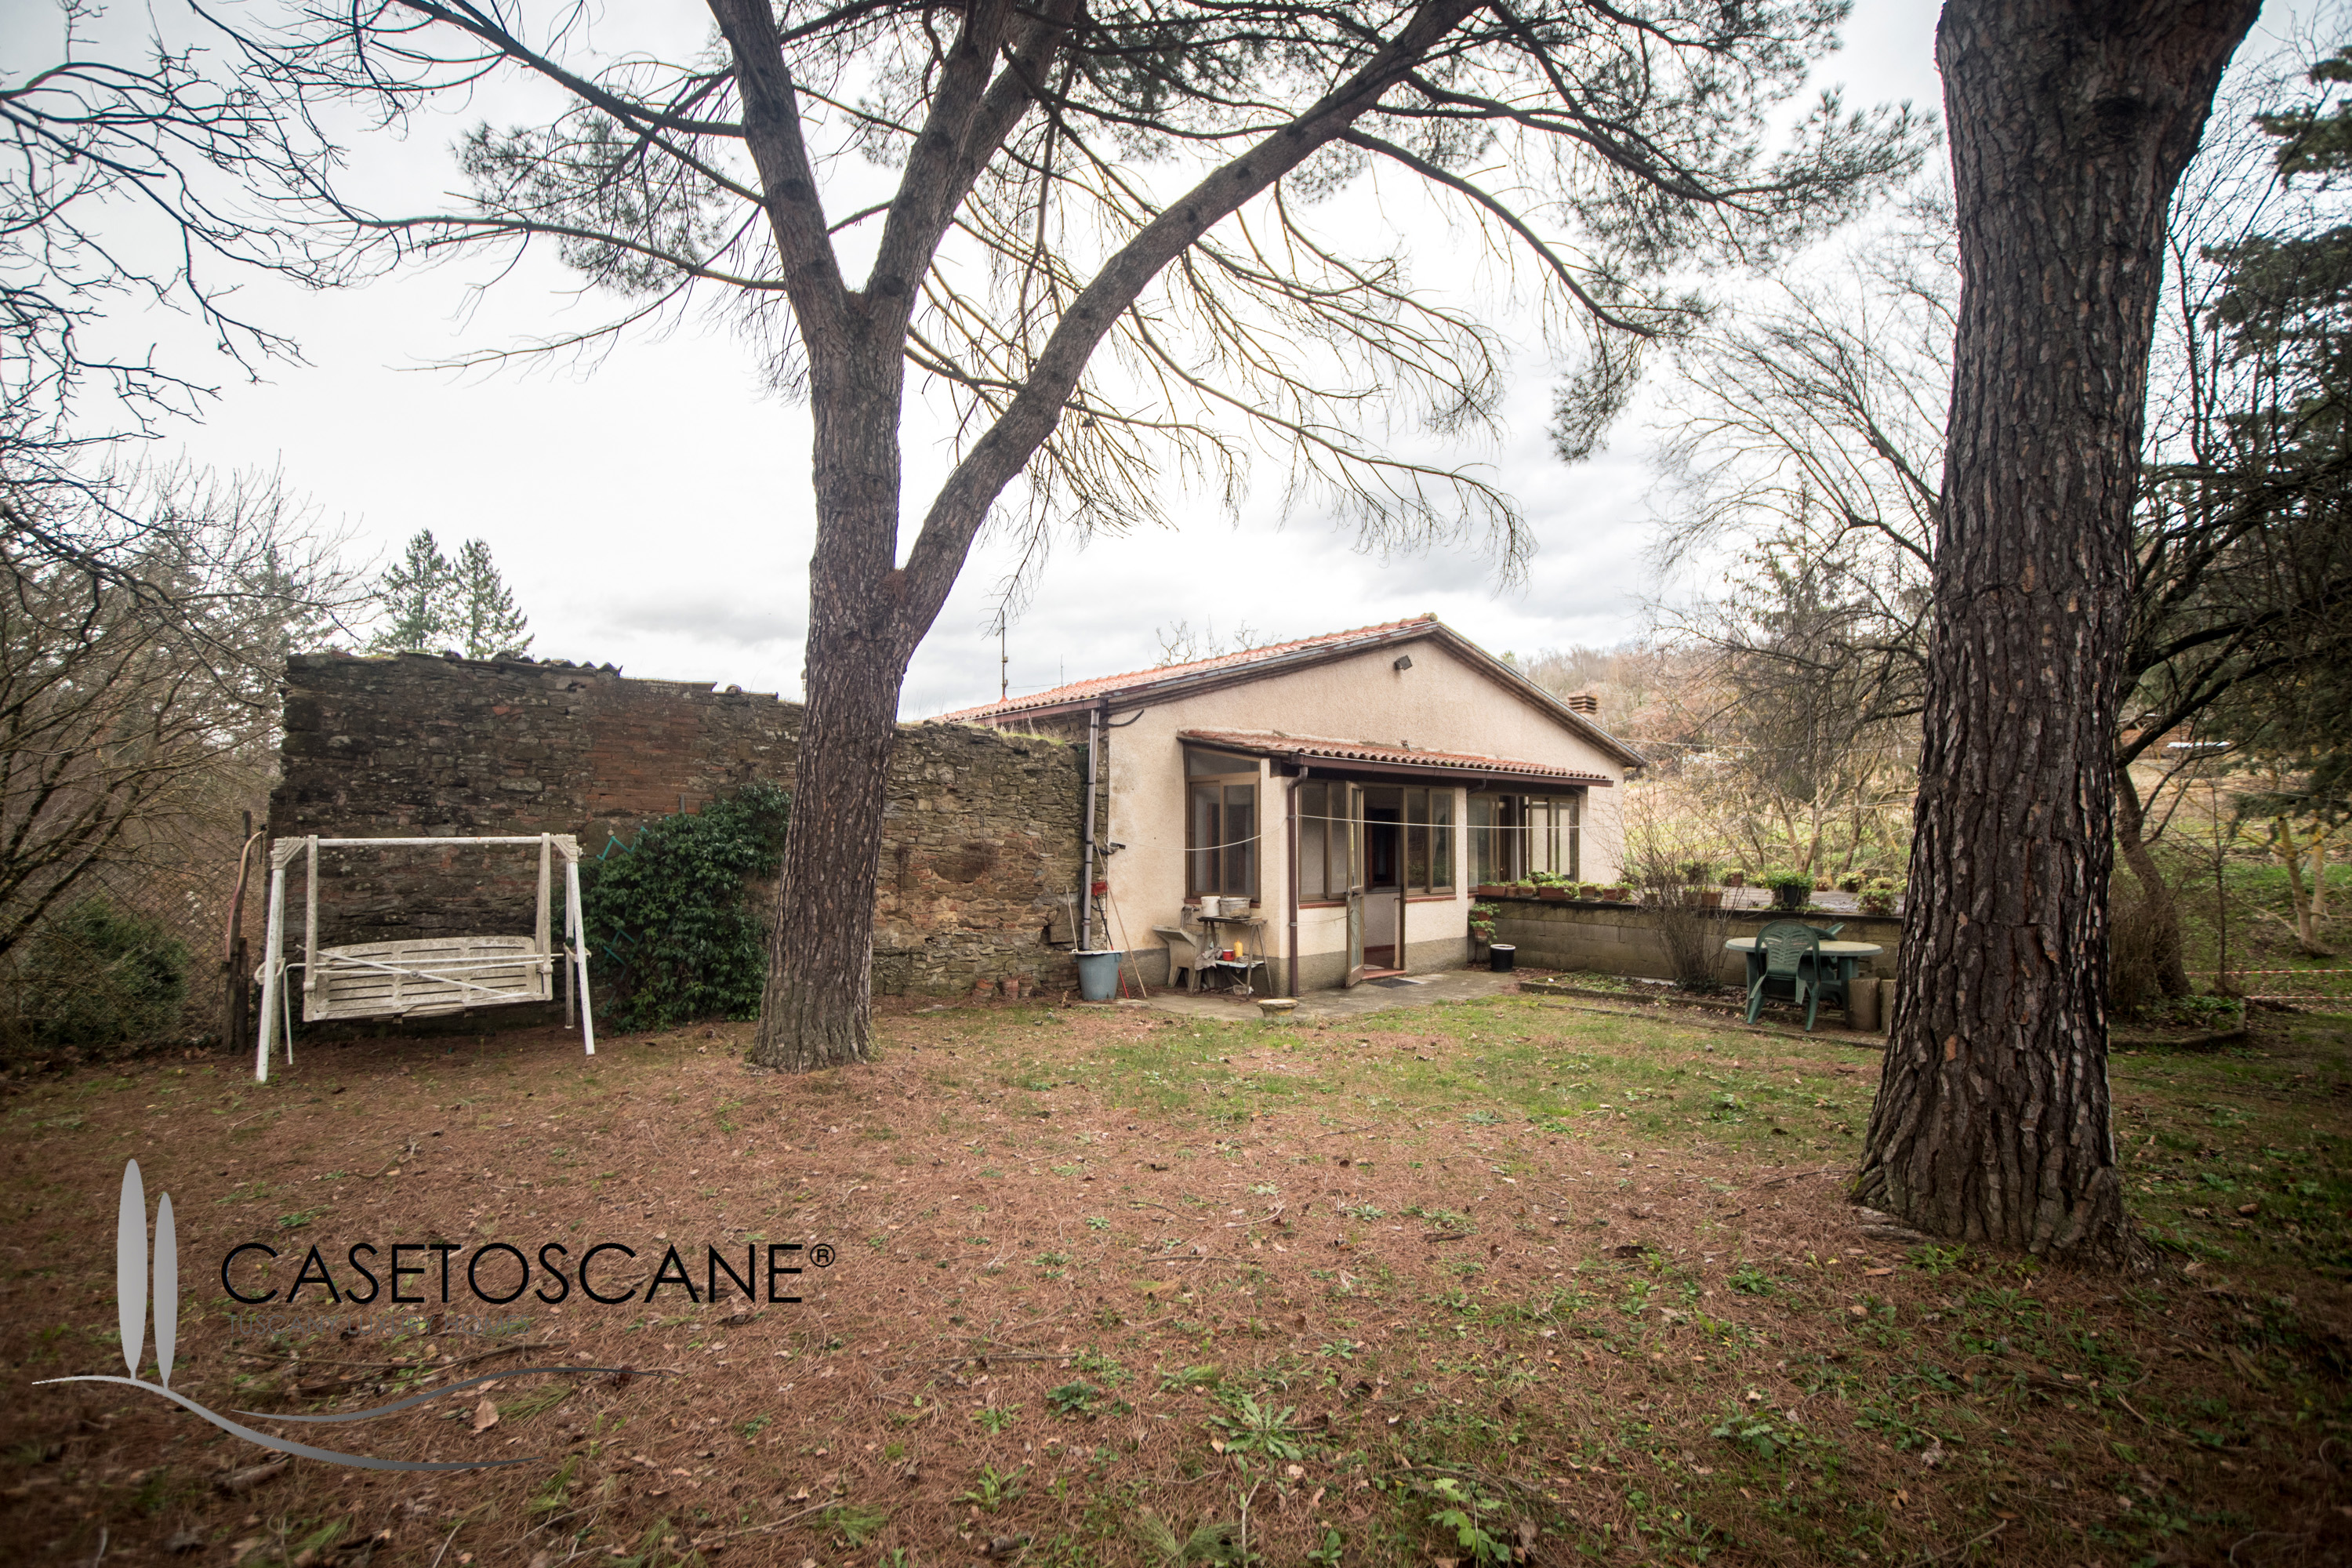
point(1622, 939)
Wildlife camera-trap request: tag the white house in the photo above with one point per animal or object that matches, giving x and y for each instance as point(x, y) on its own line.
point(1350, 788)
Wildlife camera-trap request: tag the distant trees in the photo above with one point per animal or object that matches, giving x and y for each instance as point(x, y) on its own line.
point(137, 702)
point(1179, 644)
point(425, 604)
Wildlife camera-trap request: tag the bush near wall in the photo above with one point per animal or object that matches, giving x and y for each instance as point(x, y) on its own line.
point(673, 930)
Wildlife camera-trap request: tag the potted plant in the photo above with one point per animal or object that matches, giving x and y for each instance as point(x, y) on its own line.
point(1552, 891)
point(1482, 923)
point(1709, 898)
point(1735, 878)
point(1491, 890)
point(1615, 892)
point(1790, 889)
point(1878, 896)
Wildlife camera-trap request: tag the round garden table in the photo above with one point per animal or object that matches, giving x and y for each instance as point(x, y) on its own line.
point(1848, 956)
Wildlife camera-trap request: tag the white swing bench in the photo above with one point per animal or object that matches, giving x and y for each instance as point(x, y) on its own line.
point(420, 977)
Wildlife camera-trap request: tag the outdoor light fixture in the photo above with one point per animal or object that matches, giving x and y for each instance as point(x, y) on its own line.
point(1403, 661)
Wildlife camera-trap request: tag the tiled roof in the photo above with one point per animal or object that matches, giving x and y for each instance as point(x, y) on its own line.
point(1078, 690)
point(1274, 742)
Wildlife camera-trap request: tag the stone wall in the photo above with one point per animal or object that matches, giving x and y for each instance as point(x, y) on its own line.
point(1622, 939)
point(980, 845)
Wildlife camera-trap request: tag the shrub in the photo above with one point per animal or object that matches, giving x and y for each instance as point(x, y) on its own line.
point(1690, 930)
point(670, 919)
point(99, 975)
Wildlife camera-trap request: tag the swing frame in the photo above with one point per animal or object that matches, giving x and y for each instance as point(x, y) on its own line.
point(447, 983)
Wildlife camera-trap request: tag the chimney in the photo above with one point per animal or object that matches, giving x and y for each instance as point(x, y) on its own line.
point(1583, 703)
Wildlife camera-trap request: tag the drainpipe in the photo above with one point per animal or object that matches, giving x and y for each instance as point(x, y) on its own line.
point(1293, 949)
point(1086, 867)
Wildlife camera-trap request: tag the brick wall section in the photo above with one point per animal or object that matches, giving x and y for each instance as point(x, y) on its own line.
point(1622, 939)
point(981, 837)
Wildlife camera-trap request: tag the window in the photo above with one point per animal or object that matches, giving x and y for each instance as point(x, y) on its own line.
point(1415, 824)
point(1200, 763)
point(1513, 836)
point(1322, 841)
point(1221, 836)
point(1428, 840)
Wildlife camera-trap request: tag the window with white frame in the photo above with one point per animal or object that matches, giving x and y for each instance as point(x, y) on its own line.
point(1221, 823)
point(1515, 836)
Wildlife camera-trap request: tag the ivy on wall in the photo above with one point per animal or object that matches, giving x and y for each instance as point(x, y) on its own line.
point(672, 931)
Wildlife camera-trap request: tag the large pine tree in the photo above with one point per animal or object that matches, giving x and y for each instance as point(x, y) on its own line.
point(2070, 123)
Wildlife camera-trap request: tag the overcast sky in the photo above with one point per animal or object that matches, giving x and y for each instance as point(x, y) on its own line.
point(653, 510)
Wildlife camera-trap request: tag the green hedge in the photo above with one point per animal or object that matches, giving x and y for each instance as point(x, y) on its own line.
point(672, 934)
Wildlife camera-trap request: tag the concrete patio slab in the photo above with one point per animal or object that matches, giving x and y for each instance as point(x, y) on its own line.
point(1372, 996)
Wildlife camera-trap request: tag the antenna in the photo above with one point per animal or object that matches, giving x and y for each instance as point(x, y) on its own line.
point(1003, 664)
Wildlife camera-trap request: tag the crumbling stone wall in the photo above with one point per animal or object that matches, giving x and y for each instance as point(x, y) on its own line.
point(980, 846)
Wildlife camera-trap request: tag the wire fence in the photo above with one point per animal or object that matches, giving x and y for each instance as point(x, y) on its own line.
point(2296, 986)
point(136, 954)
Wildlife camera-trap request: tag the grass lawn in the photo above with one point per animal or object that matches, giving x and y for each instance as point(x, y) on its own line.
point(1494, 1281)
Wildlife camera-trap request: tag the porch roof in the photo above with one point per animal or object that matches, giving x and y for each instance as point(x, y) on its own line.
point(1366, 757)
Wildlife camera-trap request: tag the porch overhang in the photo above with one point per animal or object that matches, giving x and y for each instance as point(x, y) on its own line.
point(1361, 758)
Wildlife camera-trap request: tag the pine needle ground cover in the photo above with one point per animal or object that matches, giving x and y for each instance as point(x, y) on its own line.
point(1483, 1283)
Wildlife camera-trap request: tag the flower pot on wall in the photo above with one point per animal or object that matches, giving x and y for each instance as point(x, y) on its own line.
point(1552, 895)
point(1710, 897)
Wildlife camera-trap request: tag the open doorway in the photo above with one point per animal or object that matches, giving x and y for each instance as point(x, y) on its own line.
point(1383, 881)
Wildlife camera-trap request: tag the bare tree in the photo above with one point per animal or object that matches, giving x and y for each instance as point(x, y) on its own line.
point(131, 707)
point(163, 139)
point(1809, 428)
point(1091, 230)
point(1179, 644)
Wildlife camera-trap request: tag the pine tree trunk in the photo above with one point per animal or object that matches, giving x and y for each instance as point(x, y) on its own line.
point(817, 1009)
point(2069, 124)
point(2163, 907)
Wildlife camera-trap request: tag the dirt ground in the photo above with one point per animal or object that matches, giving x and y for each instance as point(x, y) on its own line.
point(1492, 1281)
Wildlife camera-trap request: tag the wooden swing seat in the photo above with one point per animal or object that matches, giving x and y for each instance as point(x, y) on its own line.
point(423, 977)
point(420, 977)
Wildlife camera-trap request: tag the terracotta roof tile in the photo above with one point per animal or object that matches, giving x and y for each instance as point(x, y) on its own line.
point(1077, 689)
point(1273, 740)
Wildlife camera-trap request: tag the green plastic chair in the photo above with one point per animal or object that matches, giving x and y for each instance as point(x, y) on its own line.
point(1792, 955)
